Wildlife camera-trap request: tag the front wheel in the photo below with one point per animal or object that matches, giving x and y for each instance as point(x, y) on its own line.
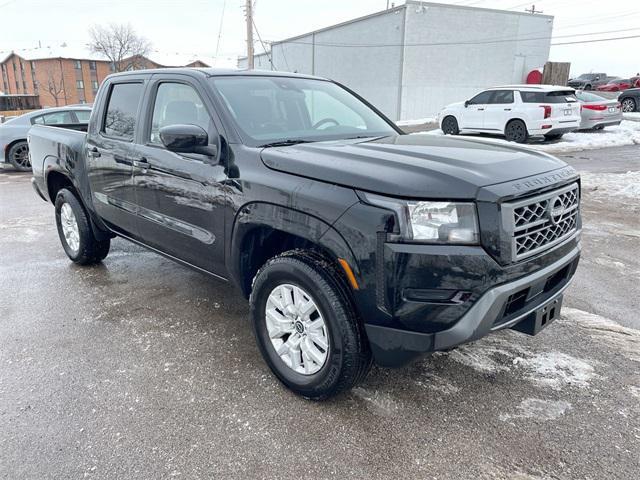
point(516, 131)
point(628, 105)
point(74, 230)
point(306, 328)
point(450, 126)
point(19, 156)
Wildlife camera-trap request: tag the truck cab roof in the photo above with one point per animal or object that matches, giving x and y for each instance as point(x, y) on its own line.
point(215, 72)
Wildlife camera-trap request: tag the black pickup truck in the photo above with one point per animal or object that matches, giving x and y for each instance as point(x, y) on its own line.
point(352, 241)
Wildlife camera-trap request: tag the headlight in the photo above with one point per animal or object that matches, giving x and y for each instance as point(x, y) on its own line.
point(433, 222)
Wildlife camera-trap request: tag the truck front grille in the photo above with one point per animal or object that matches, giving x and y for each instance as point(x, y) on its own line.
point(538, 223)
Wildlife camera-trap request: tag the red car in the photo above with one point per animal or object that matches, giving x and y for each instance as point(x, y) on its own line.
point(615, 85)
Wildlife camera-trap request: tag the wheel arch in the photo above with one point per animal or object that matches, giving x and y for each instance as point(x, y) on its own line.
point(55, 180)
point(264, 230)
point(10, 145)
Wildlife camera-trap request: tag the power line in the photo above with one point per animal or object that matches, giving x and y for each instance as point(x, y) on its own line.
point(224, 4)
point(263, 47)
point(611, 39)
point(467, 42)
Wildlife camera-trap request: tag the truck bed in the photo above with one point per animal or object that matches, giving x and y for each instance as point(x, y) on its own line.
point(55, 147)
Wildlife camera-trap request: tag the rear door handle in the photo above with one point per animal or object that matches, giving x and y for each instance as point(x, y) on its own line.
point(141, 163)
point(480, 109)
point(507, 109)
point(93, 152)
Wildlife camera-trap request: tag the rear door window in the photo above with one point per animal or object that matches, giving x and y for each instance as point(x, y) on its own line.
point(560, 96)
point(122, 109)
point(55, 118)
point(82, 115)
point(502, 96)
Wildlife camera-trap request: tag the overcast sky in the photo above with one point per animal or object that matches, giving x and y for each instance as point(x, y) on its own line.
point(193, 26)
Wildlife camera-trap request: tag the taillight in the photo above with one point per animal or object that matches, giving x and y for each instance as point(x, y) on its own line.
point(547, 110)
point(599, 108)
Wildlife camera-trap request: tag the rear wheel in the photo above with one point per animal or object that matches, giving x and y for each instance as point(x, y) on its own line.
point(19, 156)
point(587, 87)
point(306, 328)
point(629, 105)
point(75, 232)
point(450, 126)
point(516, 131)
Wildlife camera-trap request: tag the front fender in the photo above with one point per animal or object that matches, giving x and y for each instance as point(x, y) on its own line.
point(286, 220)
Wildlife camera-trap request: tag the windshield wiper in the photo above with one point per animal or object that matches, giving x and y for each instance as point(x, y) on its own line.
point(284, 143)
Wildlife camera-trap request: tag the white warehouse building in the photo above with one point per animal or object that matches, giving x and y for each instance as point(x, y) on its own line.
point(413, 59)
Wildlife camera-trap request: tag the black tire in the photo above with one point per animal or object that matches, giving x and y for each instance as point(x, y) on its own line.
point(628, 105)
point(587, 87)
point(18, 156)
point(516, 131)
point(90, 250)
point(348, 357)
point(450, 126)
point(599, 127)
point(555, 136)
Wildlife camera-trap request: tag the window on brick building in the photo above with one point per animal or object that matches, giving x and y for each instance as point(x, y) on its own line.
point(92, 65)
point(78, 64)
point(94, 85)
point(79, 84)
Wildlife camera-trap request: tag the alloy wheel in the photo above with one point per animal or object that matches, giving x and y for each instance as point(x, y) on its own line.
point(628, 105)
point(21, 156)
point(296, 328)
point(70, 228)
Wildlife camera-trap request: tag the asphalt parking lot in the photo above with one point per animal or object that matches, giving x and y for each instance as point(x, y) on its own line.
point(140, 368)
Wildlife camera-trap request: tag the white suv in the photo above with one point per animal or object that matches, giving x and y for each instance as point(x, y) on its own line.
point(515, 111)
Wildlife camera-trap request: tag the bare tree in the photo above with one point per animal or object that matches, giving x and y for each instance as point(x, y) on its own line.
point(120, 44)
point(54, 85)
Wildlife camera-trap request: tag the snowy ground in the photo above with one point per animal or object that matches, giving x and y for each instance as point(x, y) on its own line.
point(627, 133)
point(632, 116)
point(620, 185)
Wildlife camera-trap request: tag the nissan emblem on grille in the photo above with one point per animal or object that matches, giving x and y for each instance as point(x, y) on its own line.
point(540, 222)
point(556, 209)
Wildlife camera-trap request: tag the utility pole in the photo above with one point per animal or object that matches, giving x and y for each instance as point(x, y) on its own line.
point(533, 10)
point(249, 15)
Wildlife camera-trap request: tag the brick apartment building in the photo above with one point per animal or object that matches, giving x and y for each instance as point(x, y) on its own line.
point(55, 77)
point(49, 77)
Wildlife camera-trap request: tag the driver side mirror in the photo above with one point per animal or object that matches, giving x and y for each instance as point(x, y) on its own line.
point(467, 103)
point(187, 139)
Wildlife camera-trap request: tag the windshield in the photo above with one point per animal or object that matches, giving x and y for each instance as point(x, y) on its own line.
point(280, 109)
point(587, 76)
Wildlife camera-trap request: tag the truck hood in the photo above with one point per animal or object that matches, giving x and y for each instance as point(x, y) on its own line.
point(411, 166)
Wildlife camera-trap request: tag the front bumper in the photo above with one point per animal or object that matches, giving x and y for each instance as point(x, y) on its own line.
point(503, 306)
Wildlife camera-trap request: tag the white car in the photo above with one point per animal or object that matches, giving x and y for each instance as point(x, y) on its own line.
point(515, 111)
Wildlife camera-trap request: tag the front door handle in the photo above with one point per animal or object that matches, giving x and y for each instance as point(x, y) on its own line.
point(507, 109)
point(141, 163)
point(480, 109)
point(93, 152)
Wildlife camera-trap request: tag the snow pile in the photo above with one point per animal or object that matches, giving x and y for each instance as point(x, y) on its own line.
point(624, 185)
point(632, 116)
point(627, 133)
point(419, 121)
